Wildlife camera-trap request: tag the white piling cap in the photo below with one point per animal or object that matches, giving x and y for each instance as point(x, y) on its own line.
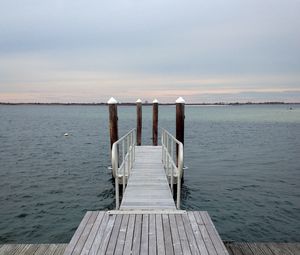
point(180, 100)
point(138, 101)
point(155, 101)
point(112, 101)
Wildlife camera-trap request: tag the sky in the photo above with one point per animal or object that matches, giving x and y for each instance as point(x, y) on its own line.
point(205, 51)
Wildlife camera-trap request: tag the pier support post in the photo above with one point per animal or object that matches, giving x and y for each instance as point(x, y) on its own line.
point(139, 122)
point(113, 120)
point(155, 122)
point(180, 103)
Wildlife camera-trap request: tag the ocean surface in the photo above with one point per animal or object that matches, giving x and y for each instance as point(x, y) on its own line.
point(243, 168)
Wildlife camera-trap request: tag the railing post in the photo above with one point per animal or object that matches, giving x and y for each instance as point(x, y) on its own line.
point(162, 145)
point(180, 103)
point(128, 153)
point(172, 181)
point(131, 148)
point(172, 149)
point(179, 172)
point(134, 143)
point(155, 122)
point(113, 120)
point(139, 122)
point(115, 163)
point(124, 167)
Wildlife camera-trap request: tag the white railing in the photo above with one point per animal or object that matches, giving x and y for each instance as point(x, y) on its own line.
point(172, 158)
point(122, 158)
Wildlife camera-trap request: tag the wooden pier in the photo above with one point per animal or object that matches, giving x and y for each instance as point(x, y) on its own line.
point(234, 248)
point(148, 221)
point(148, 232)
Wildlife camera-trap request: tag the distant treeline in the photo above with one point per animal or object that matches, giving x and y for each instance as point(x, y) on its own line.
point(146, 103)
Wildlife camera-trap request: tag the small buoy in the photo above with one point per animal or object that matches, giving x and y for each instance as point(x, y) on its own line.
point(66, 134)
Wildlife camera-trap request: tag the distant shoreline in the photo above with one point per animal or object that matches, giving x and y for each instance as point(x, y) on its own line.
point(132, 104)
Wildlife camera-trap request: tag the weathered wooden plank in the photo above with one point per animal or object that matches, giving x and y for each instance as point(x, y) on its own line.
point(114, 235)
point(152, 235)
point(88, 244)
point(265, 249)
point(136, 244)
point(60, 250)
point(167, 234)
point(99, 236)
point(159, 235)
point(256, 250)
point(12, 248)
point(107, 234)
point(26, 249)
point(122, 235)
point(84, 235)
point(29, 249)
point(228, 247)
point(7, 249)
point(293, 247)
point(145, 234)
point(19, 250)
point(157, 211)
point(77, 234)
point(206, 238)
point(129, 235)
point(197, 234)
point(236, 250)
point(36, 249)
point(245, 249)
point(218, 243)
point(52, 249)
point(42, 249)
point(279, 249)
point(144, 205)
point(190, 235)
point(182, 235)
point(175, 235)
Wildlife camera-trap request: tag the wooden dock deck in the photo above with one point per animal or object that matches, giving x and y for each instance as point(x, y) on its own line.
point(234, 248)
point(32, 249)
point(153, 232)
point(147, 222)
point(148, 187)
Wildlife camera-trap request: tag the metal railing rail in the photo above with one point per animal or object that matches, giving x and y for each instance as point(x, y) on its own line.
point(123, 150)
point(170, 145)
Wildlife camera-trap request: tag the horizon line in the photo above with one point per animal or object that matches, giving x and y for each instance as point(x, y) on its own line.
point(149, 103)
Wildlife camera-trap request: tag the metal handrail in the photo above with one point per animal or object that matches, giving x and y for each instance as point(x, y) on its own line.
point(170, 158)
point(127, 154)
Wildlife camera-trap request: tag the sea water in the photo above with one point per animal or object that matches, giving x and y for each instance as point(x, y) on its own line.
point(243, 168)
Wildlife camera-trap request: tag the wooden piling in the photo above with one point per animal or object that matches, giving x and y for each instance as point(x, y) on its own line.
point(180, 116)
point(155, 122)
point(139, 122)
point(113, 120)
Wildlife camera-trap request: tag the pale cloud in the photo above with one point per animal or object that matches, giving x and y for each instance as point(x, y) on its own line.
point(56, 51)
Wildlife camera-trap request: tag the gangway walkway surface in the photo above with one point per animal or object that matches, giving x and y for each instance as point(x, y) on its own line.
point(148, 186)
